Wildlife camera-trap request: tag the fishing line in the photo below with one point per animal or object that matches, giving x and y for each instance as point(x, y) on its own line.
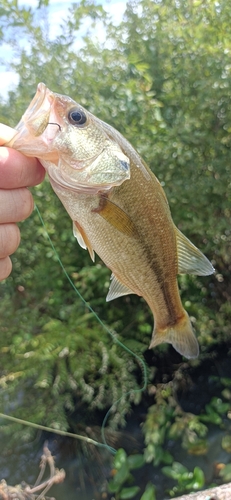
point(111, 333)
point(50, 429)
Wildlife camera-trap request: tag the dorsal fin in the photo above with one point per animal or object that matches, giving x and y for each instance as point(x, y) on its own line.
point(190, 259)
point(82, 239)
point(117, 289)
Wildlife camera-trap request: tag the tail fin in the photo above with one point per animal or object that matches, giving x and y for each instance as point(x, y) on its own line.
point(180, 335)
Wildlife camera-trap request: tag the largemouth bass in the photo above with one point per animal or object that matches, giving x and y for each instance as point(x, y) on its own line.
point(118, 208)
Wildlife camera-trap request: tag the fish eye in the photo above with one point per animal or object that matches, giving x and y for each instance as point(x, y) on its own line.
point(77, 116)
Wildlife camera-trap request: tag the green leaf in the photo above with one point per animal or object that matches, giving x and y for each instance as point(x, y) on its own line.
point(43, 3)
point(199, 478)
point(158, 455)
point(167, 458)
point(120, 458)
point(113, 487)
point(226, 473)
point(226, 381)
point(211, 416)
point(119, 479)
point(149, 493)
point(129, 492)
point(226, 443)
point(136, 461)
point(175, 471)
point(220, 406)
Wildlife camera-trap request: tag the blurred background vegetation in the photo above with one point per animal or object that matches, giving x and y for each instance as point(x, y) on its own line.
point(162, 77)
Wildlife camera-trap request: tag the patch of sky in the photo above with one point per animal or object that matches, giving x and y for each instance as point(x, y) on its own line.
point(52, 18)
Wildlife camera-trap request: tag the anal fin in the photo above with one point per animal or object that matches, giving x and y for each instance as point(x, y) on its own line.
point(117, 289)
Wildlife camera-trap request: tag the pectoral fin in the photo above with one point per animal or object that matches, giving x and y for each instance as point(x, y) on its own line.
point(117, 289)
point(115, 216)
point(190, 259)
point(82, 239)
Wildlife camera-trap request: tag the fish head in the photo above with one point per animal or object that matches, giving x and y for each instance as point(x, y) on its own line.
point(73, 145)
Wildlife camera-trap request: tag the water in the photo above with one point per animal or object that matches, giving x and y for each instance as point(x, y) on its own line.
point(88, 468)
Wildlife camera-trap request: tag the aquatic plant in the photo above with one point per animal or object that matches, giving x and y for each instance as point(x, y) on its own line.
point(186, 480)
point(122, 484)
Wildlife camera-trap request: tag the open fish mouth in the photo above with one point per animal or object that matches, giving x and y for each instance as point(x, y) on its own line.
point(34, 123)
point(38, 111)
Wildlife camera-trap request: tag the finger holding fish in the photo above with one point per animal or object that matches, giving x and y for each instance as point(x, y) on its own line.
point(16, 202)
point(17, 170)
point(9, 242)
point(16, 205)
point(9, 239)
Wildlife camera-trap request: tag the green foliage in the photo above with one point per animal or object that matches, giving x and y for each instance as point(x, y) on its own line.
point(54, 366)
point(166, 421)
point(226, 443)
point(122, 483)
point(149, 493)
point(156, 429)
point(225, 473)
point(214, 411)
point(186, 481)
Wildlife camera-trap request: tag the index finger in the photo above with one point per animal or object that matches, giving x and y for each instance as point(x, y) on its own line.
point(16, 169)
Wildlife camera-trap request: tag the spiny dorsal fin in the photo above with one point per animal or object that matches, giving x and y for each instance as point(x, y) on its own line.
point(190, 259)
point(82, 239)
point(117, 289)
point(116, 216)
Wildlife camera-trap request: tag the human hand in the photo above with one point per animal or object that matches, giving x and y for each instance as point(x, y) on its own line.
point(17, 172)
